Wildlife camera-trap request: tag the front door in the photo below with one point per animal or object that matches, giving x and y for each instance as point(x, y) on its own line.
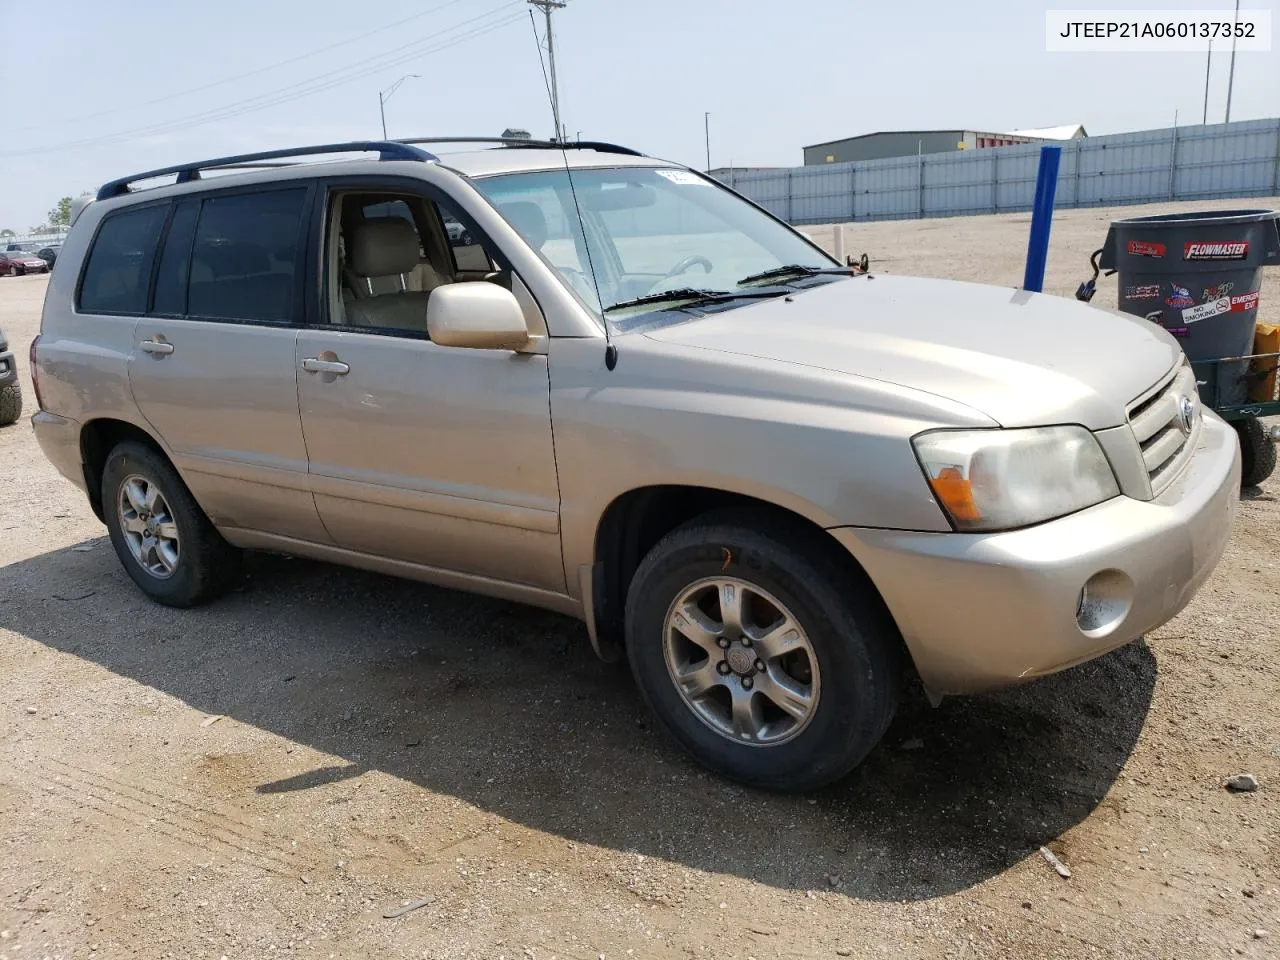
point(438, 456)
point(213, 367)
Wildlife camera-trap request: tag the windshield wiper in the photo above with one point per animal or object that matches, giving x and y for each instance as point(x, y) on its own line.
point(689, 294)
point(798, 269)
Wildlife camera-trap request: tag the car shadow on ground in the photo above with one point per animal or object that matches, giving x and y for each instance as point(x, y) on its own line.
point(505, 707)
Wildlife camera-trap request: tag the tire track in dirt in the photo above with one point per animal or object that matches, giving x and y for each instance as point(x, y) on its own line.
point(185, 819)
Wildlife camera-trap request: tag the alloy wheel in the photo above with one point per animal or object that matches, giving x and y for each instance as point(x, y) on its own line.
point(148, 526)
point(741, 661)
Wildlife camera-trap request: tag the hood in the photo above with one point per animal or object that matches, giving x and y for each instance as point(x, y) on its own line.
point(1023, 359)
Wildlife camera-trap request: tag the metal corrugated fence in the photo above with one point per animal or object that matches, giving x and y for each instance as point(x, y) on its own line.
point(1179, 163)
point(43, 239)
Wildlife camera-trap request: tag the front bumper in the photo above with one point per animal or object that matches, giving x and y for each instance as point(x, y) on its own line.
point(8, 368)
point(980, 611)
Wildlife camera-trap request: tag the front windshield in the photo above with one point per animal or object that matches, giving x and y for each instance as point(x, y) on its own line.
point(645, 231)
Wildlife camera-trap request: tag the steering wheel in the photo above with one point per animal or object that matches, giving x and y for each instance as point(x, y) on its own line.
point(686, 263)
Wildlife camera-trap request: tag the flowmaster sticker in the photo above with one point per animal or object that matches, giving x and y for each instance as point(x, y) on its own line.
point(1230, 250)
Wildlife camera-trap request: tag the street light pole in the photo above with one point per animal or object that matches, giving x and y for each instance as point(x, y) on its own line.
point(1208, 59)
point(385, 95)
point(1231, 74)
point(706, 126)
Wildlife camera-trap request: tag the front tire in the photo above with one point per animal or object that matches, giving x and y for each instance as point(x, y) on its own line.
point(809, 678)
point(163, 539)
point(1257, 451)
point(10, 403)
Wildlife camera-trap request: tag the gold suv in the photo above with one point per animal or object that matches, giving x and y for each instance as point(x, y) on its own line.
point(589, 380)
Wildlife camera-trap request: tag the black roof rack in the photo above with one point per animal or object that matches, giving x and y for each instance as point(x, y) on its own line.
point(386, 150)
point(596, 145)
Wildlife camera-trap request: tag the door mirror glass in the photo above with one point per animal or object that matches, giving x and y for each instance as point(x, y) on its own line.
point(479, 315)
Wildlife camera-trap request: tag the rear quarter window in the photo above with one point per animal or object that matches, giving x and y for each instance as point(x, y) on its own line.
point(118, 271)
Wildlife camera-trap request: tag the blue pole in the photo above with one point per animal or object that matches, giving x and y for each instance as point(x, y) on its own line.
point(1042, 218)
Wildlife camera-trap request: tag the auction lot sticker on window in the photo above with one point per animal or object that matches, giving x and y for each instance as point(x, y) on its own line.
point(1156, 31)
point(683, 176)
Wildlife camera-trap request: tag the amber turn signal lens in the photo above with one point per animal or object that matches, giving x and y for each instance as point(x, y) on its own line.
point(956, 494)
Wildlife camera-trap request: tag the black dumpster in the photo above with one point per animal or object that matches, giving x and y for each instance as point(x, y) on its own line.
point(1200, 272)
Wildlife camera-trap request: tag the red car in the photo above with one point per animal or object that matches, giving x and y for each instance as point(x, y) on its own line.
point(15, 263)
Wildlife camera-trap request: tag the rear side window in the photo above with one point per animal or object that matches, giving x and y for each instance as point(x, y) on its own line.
point(118, 271)
point(171, 278)
point(244, 259)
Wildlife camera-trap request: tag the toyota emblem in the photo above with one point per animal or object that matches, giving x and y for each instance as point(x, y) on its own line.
point(1186, 414)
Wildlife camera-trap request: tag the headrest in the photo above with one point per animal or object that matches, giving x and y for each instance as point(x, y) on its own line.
point(528, 220)
point(383, 247)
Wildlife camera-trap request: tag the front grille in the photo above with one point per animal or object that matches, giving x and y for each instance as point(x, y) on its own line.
point(1158, 425)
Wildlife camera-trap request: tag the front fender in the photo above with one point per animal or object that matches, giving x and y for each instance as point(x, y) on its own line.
point(833, 449)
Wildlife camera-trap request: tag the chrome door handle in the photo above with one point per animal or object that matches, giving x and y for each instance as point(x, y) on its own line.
point(316, 365)
point(160, 348)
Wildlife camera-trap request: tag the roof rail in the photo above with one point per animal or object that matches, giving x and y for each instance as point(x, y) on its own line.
point(518, 142)
point(386, 150)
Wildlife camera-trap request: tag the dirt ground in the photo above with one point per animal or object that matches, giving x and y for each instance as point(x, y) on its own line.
point(273, 775)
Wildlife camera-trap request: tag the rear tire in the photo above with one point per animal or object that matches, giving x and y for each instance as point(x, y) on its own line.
point(1257, 451)
point(163, 539)
point(844, 671)
point(10, 403)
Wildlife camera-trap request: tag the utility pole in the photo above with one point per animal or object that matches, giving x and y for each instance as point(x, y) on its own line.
point(547, 7)
point(706, 124)
point(1231, 75)
point(1208, 59)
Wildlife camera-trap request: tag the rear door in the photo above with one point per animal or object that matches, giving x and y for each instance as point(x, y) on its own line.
point(213, 366)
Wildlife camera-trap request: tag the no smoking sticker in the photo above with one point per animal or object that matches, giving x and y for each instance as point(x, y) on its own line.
point(1206, 310)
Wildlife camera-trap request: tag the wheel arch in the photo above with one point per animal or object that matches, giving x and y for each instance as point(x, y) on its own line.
point(637, 519)
point(97, 439)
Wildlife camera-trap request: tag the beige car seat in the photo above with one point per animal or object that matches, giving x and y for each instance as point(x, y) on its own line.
point(382, 252)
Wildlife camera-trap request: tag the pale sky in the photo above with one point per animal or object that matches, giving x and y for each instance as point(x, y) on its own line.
point(94, 90)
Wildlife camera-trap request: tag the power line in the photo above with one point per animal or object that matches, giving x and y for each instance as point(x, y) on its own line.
point(301, 88)
point(125, 108)
point(294, 91)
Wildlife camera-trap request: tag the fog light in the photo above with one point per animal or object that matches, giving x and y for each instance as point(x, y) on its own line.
point(1104, 602)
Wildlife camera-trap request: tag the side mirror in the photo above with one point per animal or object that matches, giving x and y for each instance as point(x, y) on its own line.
point(483, 316)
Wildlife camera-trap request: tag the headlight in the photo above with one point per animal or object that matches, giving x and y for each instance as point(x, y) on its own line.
point(1003, 479)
